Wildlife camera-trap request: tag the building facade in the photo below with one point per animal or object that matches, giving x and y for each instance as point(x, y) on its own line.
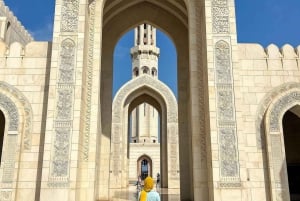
point(63, 136)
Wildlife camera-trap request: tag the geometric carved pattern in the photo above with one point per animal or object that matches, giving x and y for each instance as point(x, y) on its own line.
point(69, 12)
point(220, 13)
point(60, 160)
point(229, 169)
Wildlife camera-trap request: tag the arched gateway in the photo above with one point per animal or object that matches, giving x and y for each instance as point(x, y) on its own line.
point(157, 94)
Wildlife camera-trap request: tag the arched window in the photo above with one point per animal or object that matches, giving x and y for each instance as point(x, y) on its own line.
point(2, 131)
point(153, 72)
point(145, 70)
point(136, 72)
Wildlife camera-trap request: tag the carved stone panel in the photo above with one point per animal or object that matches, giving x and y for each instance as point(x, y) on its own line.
point(64, 104)
point(228, 151)
point(61, 147)
point(61, 152)
point(69, 12)
point(66, 69)
point(225, 106)
point(223, 63)
point(220, 14)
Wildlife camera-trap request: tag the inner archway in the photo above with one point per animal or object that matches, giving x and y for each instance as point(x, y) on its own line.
point(155, 93)
point(144, 167)
point(291, 131)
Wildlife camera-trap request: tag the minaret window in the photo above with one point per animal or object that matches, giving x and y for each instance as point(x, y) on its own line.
point(145, 70)
point(153, 72)
point(136, 72)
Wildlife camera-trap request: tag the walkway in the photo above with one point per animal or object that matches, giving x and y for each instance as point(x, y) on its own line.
point(131, 193)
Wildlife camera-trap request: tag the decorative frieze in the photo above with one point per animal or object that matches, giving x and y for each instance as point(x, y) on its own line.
point(228, 151)
point(220, 14)
point(69, 12)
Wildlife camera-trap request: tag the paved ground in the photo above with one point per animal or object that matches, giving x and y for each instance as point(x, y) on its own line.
point(131, 194)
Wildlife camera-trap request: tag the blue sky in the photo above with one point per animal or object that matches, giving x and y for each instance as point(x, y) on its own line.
point(258, 21)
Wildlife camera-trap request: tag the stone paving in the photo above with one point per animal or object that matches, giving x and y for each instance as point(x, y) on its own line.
point(131, 193)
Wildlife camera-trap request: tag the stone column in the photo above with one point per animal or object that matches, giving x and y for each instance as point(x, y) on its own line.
point(221, 54)
point(62, 137)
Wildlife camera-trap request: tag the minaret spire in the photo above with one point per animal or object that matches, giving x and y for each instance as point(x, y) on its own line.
point(144, 54)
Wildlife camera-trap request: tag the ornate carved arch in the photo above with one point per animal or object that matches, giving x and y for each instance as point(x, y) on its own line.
point(264, 105)
point(162, 94)
point(274, 139)
point(17, 106)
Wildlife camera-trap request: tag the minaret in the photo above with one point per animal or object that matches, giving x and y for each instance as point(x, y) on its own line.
point(144, 55)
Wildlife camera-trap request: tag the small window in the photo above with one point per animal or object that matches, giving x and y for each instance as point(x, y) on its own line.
point(154, 141)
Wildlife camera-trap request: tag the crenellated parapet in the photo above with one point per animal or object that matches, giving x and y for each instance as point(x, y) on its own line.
point(31, 49)
point(11, 29)
point(285, 58)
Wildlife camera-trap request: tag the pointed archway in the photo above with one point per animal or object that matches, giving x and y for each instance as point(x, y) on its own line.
point(277, 138)
point(154, 92)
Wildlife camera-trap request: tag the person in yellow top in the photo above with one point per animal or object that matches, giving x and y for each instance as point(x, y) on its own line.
point(148, 194)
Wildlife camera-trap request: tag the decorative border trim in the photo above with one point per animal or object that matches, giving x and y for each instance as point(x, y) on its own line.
point(89, 83)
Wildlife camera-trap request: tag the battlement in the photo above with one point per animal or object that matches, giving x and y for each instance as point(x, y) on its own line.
point(11, 30)
point(17, 50)
point(286, 57)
